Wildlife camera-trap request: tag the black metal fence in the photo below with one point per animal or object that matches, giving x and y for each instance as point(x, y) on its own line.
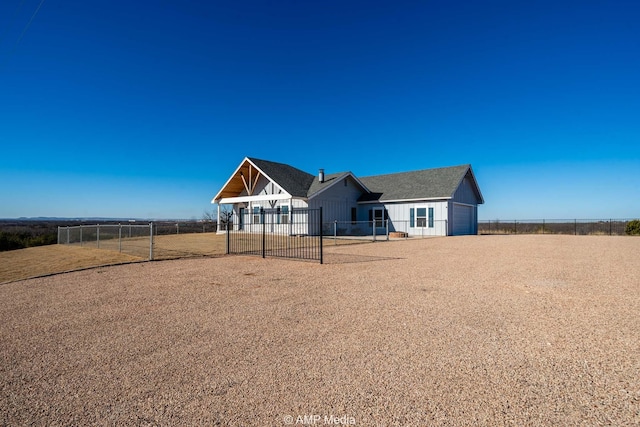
point(605, 227)
point(277, 233)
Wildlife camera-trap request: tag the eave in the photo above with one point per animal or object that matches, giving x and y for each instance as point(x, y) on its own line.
point(259, 198)
point(424, 199)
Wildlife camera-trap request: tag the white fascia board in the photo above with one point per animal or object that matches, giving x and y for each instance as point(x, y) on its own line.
point(475, 181)
point(246, 159)
point(229, 180)
point(429, 199)
point(260, 198)
point(266, 176)
point(359, 182)
point(339, 179)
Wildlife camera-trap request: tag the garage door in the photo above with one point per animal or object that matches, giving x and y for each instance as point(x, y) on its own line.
point(462, 219)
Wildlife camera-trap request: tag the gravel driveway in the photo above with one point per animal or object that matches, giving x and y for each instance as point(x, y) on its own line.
point(475, 330)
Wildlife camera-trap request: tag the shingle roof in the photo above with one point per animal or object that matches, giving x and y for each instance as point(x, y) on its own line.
point(292, 180)
point(422, 184)
point(329, 179)
point(438, 183)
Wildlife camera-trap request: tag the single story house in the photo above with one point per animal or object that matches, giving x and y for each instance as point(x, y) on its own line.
point(438, 202)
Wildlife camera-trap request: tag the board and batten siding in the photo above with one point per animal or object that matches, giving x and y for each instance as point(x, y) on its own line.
point(400, 217)
point(463, 209)
point(294, 223)
point(465, 192)
point(337, 200)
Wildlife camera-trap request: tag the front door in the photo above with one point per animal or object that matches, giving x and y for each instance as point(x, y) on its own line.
point(378, 218)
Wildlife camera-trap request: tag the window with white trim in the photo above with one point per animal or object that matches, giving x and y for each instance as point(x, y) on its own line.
point(284, 214)
point(421, 217)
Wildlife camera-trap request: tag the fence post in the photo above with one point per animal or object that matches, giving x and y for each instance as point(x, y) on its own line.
point(373, 226)
point(228, 246)
point(98, 236)
point(320, 220)
point(264, 232)
point(609, 226)
point(335, 231)
point(80, 234)
point(543, 226)
point(177, 228)
point(575, 227)
point(68, 236)
point(151, 241)
point(515, 226)
point(387, 225)
point(119, 237)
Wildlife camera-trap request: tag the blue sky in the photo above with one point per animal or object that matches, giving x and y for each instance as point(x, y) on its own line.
point(144, 109)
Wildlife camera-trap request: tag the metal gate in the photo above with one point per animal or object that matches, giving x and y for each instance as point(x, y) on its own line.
point(277, 233)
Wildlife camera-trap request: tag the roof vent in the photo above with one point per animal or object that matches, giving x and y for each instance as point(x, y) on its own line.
point(321, 175)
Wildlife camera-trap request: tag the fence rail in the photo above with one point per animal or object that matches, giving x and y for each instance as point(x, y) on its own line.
point(270, 232)
point(610, 227)
point(139, 240)
point(382, 229)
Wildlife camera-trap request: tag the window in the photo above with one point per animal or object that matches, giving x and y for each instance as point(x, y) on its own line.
point(256, 215)
point(284, 214)
point(379, 217)
point(354, 215)
point(421, 217)
point(418, 217)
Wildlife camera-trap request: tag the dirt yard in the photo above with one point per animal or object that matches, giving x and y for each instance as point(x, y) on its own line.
point(476, 330)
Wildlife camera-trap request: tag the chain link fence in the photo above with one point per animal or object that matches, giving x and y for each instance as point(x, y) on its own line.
point(383, 229)
point(155, 240)
point(577, 227)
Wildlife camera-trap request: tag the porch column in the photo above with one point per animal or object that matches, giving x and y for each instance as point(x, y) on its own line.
point(218, 222)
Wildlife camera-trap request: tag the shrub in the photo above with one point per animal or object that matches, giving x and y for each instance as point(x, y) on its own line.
point(633, 228)
point(11, 241)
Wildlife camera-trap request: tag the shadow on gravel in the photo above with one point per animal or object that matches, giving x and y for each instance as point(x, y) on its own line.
point(350, 259)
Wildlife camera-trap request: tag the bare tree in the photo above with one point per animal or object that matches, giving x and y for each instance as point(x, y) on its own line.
point(226, 217)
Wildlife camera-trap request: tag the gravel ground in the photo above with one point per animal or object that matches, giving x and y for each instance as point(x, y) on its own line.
point(476, 330)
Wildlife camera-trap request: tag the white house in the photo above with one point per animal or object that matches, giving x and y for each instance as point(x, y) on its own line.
point(438, 202)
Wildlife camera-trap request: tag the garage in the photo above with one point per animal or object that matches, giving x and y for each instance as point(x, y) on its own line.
point(463, 220)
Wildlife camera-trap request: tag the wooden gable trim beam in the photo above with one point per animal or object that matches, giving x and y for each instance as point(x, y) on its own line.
point(255, 182)
point(250, 186)
point(244, 181)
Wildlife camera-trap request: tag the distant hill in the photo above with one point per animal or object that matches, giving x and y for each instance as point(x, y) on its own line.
point(92, 219)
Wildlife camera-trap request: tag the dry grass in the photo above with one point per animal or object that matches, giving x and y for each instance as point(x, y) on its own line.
point(476, 330)
point(45, 260)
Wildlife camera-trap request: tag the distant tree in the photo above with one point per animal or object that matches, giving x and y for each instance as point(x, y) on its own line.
point(633, 227)
point(226, 216)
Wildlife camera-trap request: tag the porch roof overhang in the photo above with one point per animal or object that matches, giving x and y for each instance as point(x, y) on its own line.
point(424, 199)
point(259, 198)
